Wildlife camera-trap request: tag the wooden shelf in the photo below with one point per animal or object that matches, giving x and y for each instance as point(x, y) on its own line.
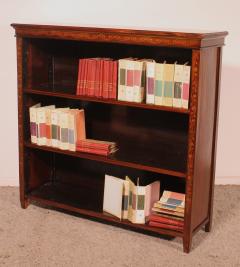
point(106, 101)
point(119, 158)
point(71, 199)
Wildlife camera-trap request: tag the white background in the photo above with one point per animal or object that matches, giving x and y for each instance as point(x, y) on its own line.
point(216, 15)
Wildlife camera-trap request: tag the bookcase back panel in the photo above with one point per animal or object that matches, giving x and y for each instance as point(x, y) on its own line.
point(161, 135)
point(55, 64)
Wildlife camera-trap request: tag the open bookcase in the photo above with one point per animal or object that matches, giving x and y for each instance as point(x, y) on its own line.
point(174, 145)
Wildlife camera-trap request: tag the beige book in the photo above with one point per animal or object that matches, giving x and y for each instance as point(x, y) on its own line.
point(177, 95)
point(125, 199)
point(33, 122)
point(129, 86)
point(122, 79)
point(64, 122)
point(138, 81)
point(158, 99)
point(186, 86)
point(150, 82)
point(41, 124)
point(113, 193)
point(168, 80)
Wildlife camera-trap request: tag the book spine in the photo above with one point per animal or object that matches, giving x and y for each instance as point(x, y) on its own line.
point(139, 208)
point(177, 97)
point(79, 81)
point(165, 220)
point(115, 74)
point(85, 76)
point(110, 79)
point(48, 127)
point(72, 131)
point(168, 77)
point(92, 74)
point(129, 80)
point(41, 125)
point(166, 226)
point(131, 196)
point(121, 80)
point(80, 125)
point(97, 79)
point(106, 64)
point(64, 144)
point(33, 124)
point(150, 79)
point(125, 200)
point(185, 85)
point(55, 128)
point(92, 151)
point(158, 88)
point(138, 86)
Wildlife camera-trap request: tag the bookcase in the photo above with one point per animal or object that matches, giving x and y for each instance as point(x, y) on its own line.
point(174, 145)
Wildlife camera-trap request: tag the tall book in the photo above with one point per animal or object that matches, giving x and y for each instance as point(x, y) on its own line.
point(185, 85)
point(177, 97)
point(158, 99)
point(150, 82)
point(64, 124)
point(41, 124)
point(113, 194)
point(129, 87)
point(168, 78)
point(139, 81)
point(33, 122)
point(125, 201)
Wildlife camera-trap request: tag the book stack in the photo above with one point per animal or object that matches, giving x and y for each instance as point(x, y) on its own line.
point(125, 200)
point(98, 147)
point(167, 84)
point(56, 127)
point(97, 77)
point(168, 212)
point(131, 79)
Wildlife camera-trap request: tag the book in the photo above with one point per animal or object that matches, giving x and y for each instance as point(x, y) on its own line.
point(168, 207)
point(138, 81)
point(141, 199)
point(150, 82)
point(113, 193)
point(185, 86)
point(158, 98)
point(168, 77)
point(162, 219)
point(169, 212)
point(33, 122)
point(64, 122)
point(125, 201)
point(129, 86)
point(177, 97)
point(41, 124)
point(173, 198)
point(55, 126)
point(121, 79)
point(166, 226)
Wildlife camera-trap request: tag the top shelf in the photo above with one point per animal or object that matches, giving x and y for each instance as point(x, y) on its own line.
point(106, 101)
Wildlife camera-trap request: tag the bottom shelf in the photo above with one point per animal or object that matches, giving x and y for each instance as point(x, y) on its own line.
point(83, 201)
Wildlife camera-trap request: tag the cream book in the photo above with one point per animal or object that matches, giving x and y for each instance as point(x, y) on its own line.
point(55, 125)
point(41, 124)
point(138, 81)
point(168, 80)
point(129, 86)
point(177, 96)
point(33, 122)
point(158, 90)
point(64, 121)
point(113, 194)
point(150, 82)
point(186, 85)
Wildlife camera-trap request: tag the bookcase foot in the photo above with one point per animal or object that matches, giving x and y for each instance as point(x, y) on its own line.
point(208, 226)
point(24, 203)
point(187, 244)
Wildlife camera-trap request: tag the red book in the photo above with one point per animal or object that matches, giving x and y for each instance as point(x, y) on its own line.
point(166, 226)
point(85, 73)
point(42, 129)
point(113, 94)
point(92, 71)
point(92, 151)
point(101, 78)
point(110, 79)
point(79, 77)
point(106, 64)
point(157, 218)
point(97, 79)
point(91, 143)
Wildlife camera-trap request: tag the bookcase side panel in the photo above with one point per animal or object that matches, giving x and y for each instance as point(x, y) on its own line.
point(203, 177)
point(23, 198)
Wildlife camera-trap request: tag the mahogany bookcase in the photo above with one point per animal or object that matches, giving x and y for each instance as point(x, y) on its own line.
point(173, 145)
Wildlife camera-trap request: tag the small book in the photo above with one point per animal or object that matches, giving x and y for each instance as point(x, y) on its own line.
point(113, 194)
point(161, 219)
point(33, 122)
point(158, 99)
point(168, 80)
point(166, 226)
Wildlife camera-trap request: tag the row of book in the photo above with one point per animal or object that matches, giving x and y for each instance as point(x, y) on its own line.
point(160, 83)
point(97, 77)
point(56, 127)
point(135, 80)
point(141, 204)
point(168, 212)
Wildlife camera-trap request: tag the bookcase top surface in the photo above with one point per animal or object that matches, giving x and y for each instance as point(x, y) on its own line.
point(143, 36)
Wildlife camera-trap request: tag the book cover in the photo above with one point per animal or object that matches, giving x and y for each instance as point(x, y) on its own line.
point(186, 85)
point(33, 122)
point(150, 73)
point(158, 99)
point(173, 198)
point(152, 195)
point(129, 64)
point(169, 212)
point(80, 125)
point(160, 219)
point(168, 80)
point(113, 193)
point(177, 97)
